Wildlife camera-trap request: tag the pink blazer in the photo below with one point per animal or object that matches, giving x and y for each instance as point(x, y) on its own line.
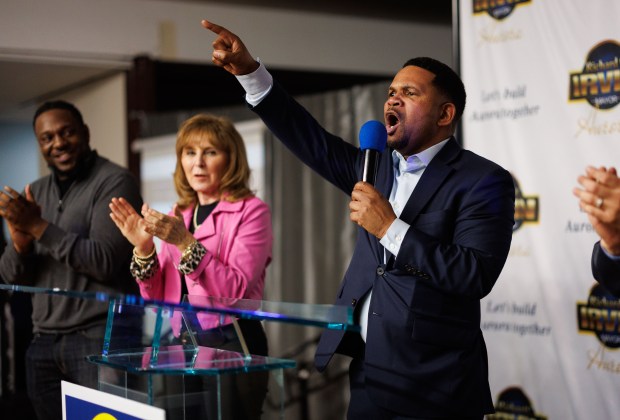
point(238, 239)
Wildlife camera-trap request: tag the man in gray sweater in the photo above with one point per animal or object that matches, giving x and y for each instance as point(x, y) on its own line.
point(63, 237)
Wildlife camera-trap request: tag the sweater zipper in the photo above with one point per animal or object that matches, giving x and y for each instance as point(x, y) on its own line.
point(61, 200)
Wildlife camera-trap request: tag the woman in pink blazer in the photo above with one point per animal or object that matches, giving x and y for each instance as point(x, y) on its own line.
point(216, 241)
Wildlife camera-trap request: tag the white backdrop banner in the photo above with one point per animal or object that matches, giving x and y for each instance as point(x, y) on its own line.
point(543, 83)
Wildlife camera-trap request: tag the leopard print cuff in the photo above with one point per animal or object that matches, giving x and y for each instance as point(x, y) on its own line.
point(191, 257)
point(143, 269)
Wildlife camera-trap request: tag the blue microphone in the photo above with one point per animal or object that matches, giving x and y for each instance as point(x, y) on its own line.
point(373, 138)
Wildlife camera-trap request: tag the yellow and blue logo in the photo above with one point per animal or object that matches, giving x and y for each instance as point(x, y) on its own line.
point(600, 316)
point(77, 408)
point(526, 207)
point(497, 9)
point(598, 82)
point(512, 403)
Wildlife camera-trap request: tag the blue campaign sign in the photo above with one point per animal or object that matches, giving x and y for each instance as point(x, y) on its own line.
point(82, 403)
point(86, 410)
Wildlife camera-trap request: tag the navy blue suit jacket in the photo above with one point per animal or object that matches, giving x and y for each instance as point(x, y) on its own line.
point(606, 270)
point(424, 354)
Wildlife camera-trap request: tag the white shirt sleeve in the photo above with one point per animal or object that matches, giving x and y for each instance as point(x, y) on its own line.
point(256, 84)
point(393, 238)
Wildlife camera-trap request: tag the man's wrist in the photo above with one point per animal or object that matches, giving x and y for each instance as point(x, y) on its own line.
point(23, 249)
point(256, 84)
point(393, 238)
point(39, 228)
point(612, 250)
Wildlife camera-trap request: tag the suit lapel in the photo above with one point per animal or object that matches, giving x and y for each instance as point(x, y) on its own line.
point(432, 178)
point(385, 174)
point(383, 183)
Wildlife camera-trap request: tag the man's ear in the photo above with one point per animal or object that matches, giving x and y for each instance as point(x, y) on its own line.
point(446, 117)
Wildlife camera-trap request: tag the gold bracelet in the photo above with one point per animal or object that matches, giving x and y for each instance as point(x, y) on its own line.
point(188, 249)
point(145, 258)
point(143, 270)
point(191, 257)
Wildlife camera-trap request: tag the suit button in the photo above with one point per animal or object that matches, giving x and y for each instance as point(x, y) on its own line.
point(353, 302)
point(380, 271)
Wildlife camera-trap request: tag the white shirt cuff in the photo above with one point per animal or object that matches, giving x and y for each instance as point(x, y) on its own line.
point(393, 238)
point(256, 84)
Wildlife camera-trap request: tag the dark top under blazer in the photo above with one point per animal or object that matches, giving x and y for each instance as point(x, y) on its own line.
point(425, 354)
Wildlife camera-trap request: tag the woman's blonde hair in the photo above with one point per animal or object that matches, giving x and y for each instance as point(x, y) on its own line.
point(223, 135)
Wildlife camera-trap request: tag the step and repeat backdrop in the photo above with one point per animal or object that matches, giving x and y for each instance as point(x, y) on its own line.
point(543, 83)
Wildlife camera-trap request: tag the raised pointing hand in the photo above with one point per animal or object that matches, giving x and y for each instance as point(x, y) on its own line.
point(229, 52)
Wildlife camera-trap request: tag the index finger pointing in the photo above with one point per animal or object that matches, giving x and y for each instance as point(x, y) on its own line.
point(224, 36)
point(217, 29)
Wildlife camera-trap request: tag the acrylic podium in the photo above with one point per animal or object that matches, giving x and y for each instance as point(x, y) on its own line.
point(148, 363)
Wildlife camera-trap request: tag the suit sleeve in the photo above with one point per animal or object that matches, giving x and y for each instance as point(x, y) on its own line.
point(330, 156)
point(606, 270)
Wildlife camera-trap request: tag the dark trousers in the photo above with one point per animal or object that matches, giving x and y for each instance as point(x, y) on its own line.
point(51, 358)
point(362, 407)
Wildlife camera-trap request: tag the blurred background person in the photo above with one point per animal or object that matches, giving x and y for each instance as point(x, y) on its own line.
point(62, 237)
point(15, 336)
point(2, 240)
point(216, 241)
point(599, 197)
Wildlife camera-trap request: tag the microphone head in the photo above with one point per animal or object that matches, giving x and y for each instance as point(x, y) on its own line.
point(373, 135)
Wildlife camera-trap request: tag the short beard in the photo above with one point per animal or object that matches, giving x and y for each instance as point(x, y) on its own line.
point(82, 161)
point(396, 144)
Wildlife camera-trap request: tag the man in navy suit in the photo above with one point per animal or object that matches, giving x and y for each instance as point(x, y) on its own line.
point(599, 197)
point(434, 234)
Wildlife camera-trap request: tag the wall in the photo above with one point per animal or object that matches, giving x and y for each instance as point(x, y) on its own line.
point(19, 163)
point(116, 30)
point(110, 33)
point(103, 106)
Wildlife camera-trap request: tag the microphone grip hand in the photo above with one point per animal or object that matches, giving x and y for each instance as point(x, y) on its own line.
point(370, 210)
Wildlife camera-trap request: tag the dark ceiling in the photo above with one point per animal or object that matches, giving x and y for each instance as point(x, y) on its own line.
point(432, 11)
point(181, 86)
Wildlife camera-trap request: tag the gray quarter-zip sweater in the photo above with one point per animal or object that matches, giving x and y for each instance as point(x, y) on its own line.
point(81, 250)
